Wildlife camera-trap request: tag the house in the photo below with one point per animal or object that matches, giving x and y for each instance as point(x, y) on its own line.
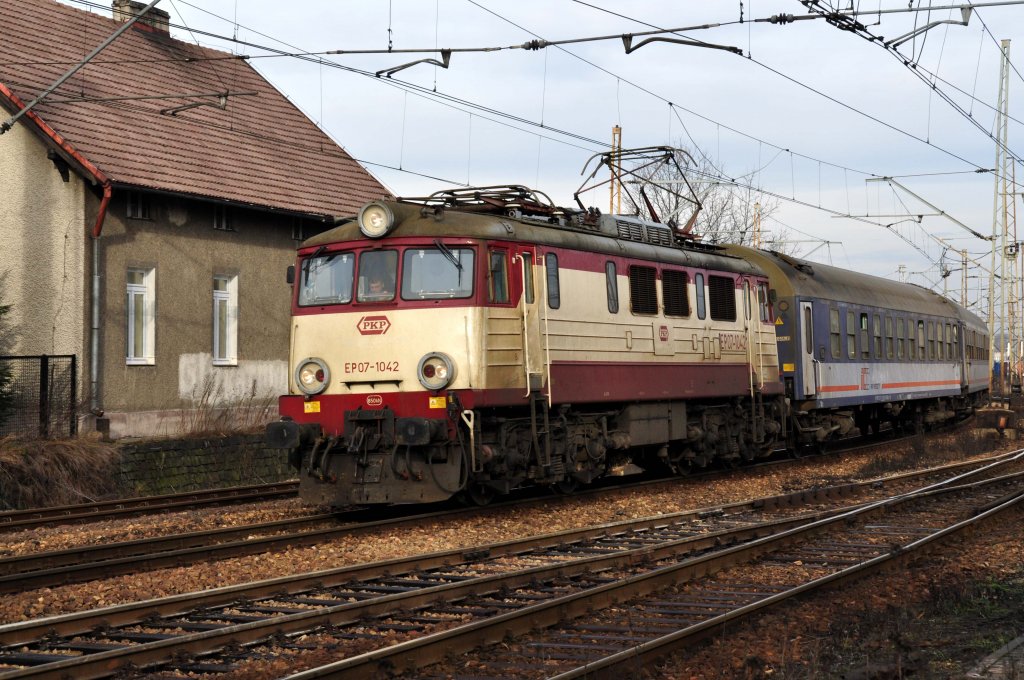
point(149, 209)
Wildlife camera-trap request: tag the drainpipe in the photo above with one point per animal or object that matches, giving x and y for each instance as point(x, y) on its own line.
point(95, 405)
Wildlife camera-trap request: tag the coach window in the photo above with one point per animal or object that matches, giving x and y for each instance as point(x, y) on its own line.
point(851, 335)
point(674, 294)
point(865, 346)
point(901, 339)
point(808, 332)
point(888, 338)
point(878, 336)
point(611, 284)
point(497, 276)
point(949, 342)
point(698, 284)
point(643, 291)
point(834, 333)
point(956, 343)
point(931, 340)
point(920, 341)
point(722, 293)
point(554, 293)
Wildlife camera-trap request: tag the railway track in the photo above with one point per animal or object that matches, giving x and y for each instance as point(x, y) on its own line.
point(85, 563)
point(371, 604)
point(11, 520)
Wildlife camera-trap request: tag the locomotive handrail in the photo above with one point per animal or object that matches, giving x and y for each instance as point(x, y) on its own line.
point(526, 330)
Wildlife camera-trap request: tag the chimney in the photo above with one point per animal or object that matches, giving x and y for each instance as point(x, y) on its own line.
point(156, 20)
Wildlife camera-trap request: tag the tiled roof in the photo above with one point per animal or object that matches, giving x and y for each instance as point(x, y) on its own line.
point(260, 150)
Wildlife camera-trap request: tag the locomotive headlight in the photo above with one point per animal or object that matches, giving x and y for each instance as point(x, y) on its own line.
point(436, 371)
point(312, 375)
point(376, 220)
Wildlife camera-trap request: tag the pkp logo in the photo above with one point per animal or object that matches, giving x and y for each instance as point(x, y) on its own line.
point(374, 400)
point(663, 333)
point(373, 325)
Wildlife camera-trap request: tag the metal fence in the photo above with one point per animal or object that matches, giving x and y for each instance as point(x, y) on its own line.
point(41, 391)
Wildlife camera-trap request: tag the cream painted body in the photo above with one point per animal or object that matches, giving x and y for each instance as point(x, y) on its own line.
point(499, 347)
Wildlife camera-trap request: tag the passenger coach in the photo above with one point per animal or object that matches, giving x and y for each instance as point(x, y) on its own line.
point(859, 350)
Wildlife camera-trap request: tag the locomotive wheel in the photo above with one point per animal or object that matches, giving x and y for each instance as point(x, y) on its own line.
point(566, 486)
point(478, 494)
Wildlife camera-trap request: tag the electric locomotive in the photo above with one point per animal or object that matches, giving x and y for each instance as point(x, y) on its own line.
point(480, 340)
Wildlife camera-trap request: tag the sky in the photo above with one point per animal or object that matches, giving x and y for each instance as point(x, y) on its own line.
point(809, 115)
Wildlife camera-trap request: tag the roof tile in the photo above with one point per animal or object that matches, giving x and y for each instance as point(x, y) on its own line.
point(260, 150)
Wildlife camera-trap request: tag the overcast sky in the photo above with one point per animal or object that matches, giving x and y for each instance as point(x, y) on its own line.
point(807, 112)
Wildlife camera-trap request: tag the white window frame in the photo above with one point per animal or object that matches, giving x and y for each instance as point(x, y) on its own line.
point(148, 291)
point(227, 355)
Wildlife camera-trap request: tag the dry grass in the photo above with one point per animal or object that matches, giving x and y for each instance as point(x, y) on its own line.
point(213, 415)
point(41, 473)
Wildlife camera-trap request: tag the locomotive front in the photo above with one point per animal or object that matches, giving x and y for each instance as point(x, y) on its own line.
point(380, 351)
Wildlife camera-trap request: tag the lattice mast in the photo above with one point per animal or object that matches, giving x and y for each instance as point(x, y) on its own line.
point(1003, 235)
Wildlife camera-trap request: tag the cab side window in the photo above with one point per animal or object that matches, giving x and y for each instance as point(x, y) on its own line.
point(554, 292)
point(497, 276)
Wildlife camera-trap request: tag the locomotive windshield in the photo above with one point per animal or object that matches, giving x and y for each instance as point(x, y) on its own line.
point(442, 272)
point(428, 273)
point(327, 279)
point(377, 269)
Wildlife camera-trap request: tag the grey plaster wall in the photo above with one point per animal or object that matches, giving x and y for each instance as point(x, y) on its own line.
point(186, 252)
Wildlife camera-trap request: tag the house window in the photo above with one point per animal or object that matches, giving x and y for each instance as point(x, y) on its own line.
point(137, 205)
point(225, 320)
point(643, 292)
point(611, 283)
point(554, 291)
point(722, 291)
point(674, 292)
point(223, 218)
point(140, 314)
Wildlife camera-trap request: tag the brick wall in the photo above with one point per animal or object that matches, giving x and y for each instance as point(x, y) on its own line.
point(176, 465)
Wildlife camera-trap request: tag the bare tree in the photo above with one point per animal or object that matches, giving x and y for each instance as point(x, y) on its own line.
point(729, 206)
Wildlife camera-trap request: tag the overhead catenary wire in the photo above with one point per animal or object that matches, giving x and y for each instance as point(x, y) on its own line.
point(311, 56)
point(597, 142)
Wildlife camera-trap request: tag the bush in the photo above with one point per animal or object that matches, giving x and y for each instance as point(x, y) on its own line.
point(39, 473)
